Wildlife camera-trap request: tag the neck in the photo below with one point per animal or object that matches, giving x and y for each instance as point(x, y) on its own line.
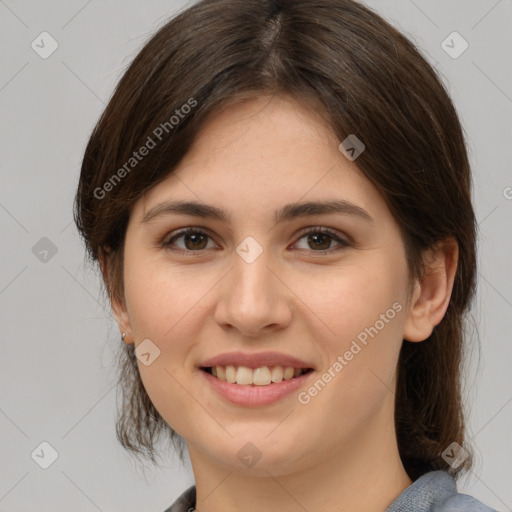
point(366, 473)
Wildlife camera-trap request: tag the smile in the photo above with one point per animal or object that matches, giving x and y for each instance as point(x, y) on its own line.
point(245, 390)
point(262, 376)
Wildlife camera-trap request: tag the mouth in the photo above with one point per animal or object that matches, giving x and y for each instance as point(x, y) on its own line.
point(261, 376)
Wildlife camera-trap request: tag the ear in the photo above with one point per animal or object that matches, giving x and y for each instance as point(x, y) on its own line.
point(432, 292)
point(118, 307)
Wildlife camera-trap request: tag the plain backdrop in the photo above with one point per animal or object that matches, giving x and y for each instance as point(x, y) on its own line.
point(56, 365)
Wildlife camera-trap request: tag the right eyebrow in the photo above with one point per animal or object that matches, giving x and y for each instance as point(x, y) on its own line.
point(288, 212)
point(192, 208)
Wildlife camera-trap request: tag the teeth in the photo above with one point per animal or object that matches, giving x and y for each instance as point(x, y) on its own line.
point(230, 373)
point(244, 375)
point(277, 374)
point(262, 376)
point(288, 373)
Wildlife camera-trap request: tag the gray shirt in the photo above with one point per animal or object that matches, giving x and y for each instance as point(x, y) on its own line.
point(432, 492)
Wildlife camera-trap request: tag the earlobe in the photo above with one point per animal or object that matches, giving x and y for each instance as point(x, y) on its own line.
point(118, 308)
point(123, 321)
point(432, 292)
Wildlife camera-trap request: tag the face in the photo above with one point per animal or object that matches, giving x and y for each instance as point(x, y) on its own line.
point(328, 288)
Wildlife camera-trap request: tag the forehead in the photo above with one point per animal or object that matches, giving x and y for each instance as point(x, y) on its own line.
point(258, 155)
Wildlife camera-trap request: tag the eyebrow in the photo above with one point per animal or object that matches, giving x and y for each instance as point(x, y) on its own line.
point(286, 213)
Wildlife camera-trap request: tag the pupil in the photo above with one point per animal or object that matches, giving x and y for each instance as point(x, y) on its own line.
point(326, 244)
point(194, 238)
point(321, 240)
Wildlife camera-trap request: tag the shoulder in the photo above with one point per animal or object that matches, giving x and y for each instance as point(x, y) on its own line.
point(186, 502)
point(433, 492)
point(464, 503)
point(436, 492)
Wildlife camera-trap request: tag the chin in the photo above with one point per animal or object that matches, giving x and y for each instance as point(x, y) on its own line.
point(258, 455)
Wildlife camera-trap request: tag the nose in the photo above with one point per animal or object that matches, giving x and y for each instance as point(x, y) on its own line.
point(253, 299)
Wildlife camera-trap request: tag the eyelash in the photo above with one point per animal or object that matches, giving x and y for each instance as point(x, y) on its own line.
point(167, 244)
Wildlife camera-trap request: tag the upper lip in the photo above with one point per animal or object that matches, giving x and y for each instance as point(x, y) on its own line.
point(255, 360)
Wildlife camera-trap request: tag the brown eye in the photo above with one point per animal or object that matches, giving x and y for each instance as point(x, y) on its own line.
point(321, 240)
point(193, 240)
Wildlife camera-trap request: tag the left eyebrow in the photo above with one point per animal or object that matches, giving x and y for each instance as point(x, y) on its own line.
point(310, 208)
point(286, 213)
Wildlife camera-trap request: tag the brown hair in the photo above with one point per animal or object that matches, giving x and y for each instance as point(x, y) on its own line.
point(347, 63)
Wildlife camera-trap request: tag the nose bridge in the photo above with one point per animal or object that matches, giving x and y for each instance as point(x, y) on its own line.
point(252, 284)
point(253, 298)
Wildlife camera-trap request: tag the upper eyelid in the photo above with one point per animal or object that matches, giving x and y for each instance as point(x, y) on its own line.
point(342, 238)
point(183, 231)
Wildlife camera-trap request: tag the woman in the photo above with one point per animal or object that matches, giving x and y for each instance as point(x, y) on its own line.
point(279, 198)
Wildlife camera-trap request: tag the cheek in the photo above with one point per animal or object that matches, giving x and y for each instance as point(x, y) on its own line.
point(359, 315)
point(349, 299)
point(157, 296)
point(157, 305)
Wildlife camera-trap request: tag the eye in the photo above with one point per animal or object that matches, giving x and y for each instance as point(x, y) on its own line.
point(194, 240)
point(319, 239)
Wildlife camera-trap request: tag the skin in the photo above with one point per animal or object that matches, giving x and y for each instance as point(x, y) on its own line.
point(339, 451)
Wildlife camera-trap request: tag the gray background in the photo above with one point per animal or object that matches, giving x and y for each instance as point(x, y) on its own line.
point(56, 369)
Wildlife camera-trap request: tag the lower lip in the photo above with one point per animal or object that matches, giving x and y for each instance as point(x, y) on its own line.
point(252, 395)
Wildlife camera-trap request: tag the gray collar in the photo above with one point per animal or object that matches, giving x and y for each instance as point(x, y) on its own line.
point(425, 494)
point(433, 491)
